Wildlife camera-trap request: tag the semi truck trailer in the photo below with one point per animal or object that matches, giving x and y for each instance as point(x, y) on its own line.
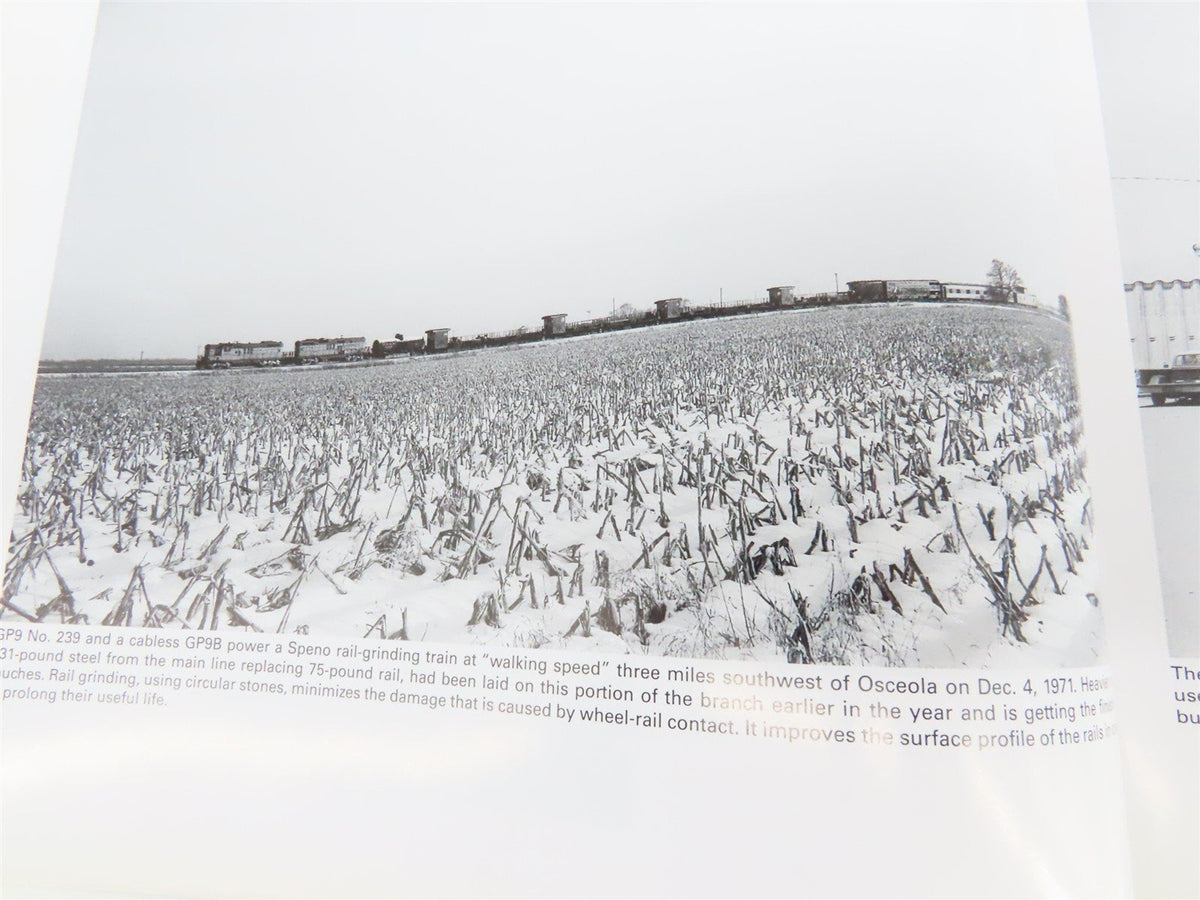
point(1164, 327)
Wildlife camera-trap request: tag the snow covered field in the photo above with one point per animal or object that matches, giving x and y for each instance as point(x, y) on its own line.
point(1172, 439)
point(889, 485)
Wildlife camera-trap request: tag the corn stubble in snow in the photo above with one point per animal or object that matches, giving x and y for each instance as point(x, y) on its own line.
point(896, 486)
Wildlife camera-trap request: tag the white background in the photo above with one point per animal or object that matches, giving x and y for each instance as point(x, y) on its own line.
point(244, 797)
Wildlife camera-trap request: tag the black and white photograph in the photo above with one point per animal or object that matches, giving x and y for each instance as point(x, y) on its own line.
point(433, 424)
point(701, 337)
point(1152, 122)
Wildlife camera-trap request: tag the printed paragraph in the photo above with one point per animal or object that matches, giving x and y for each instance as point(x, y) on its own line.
point(1187, 694)
point(781, 703)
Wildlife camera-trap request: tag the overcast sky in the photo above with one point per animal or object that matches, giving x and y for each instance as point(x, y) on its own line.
point(295, 170)
point(1148, 66)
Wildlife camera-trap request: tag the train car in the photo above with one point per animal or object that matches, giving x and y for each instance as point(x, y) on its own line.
point(893, 290)
point(398, 347)
point(437, 340)
point(824, 298)
point(339, 349)
point(384, 349)
point(522, 335)
point(723, 308)
point(908, 289)
point(668, 310)
point(956, 291)
point(866, 291)
point(237, 354)
point(636, 319)
point(782, 295)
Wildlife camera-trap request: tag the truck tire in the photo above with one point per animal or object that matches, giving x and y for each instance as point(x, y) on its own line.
point(1158, 399)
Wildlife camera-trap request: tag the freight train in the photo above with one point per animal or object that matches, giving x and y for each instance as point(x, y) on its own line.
point(557, 325)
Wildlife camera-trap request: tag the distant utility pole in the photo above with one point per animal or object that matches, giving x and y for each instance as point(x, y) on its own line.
point(722, 300)
point(837, 285)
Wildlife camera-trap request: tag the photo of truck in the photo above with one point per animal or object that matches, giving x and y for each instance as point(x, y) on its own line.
point(1179, 381)
point(1164, 327)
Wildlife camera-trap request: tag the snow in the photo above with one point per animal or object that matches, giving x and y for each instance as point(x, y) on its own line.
point(587, 444)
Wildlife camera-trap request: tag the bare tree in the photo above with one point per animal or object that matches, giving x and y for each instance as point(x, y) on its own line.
point(1004, 282)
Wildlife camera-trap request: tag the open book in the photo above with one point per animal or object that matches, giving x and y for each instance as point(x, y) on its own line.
point(593, 450)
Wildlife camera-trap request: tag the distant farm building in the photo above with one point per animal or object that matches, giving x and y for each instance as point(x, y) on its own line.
point(554, 325)
point(437, 339)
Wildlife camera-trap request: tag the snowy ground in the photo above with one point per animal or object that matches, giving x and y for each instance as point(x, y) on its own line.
point(1172, 440)
point(897, 486)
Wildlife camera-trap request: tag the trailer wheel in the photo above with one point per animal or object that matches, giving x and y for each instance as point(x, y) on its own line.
point(1158, 399)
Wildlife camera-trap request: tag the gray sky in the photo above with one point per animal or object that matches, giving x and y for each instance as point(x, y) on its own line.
point(1148, 67)
point(287, 171)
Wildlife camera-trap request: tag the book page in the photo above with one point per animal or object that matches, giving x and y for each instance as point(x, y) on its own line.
point(472, 440)
point(1152, 126)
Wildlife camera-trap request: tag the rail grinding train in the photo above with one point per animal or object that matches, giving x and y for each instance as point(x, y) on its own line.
point(264, 354)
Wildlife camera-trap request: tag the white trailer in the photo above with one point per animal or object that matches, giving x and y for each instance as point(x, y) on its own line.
point(1164, 328)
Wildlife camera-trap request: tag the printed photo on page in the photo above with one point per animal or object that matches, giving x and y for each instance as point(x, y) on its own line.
point(462, 335)
point(1152, 121)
